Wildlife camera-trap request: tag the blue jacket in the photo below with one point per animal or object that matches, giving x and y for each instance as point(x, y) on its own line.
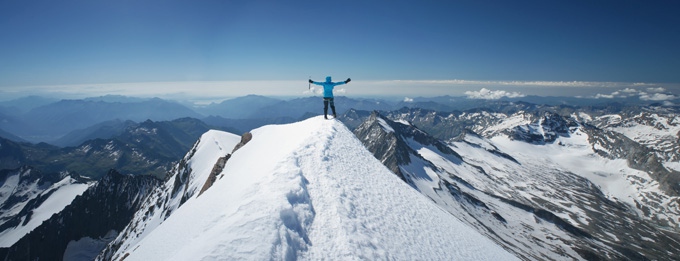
point(328, 86)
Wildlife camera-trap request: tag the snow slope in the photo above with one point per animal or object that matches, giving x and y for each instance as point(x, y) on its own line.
point(311, 191)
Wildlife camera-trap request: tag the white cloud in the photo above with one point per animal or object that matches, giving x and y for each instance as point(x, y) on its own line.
point(487, 94)
point(652, 94)
point(657, 97)
point(604, 96)
point(656, 89)
point(515, 83)
point(407, 99)
point(318, 90)
point(625, 93)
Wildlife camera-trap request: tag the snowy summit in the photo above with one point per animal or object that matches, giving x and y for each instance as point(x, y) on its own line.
point(307, 191)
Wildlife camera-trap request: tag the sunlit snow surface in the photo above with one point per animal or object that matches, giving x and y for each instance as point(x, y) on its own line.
point(310, 191)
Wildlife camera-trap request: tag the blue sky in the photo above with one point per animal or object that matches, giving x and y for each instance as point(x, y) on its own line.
point(267, 47)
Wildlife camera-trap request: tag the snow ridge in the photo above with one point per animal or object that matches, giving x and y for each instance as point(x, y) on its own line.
point(189, 176)
point(315, 194)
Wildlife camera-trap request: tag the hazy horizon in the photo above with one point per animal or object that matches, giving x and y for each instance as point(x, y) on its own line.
point(205, 92)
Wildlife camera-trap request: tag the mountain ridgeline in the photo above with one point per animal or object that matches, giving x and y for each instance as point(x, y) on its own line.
point(147, 148)
point(52, 121)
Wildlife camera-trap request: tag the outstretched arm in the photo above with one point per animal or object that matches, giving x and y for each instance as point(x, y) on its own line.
point(316, 83)
point(342, 82)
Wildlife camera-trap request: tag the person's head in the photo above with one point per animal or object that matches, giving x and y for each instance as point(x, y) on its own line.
point(328, 79)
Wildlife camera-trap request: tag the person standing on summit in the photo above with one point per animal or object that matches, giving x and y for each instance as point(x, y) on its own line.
point(328, 86)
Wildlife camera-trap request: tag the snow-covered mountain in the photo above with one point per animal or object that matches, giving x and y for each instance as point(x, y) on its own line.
point(188, 178)
point(307, 190)
point(657, 128)
point(28, 197)
point(538, 185)
point(652, 127)
point(83, 228)
point(646, 141)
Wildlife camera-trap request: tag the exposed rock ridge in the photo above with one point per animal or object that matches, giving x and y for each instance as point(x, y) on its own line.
point(219, 165)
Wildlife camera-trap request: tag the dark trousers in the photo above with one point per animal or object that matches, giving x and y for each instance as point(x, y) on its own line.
point(327, 101)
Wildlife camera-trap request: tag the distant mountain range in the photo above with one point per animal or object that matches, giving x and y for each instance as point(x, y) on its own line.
point(244, 107)
point(53, 121)
point(147, 148)
point(60, 122)
point(11, 136)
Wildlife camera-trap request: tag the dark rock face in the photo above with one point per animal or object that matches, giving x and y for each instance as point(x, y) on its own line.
point(245, 138)
point(391, 148)
point(544, 129)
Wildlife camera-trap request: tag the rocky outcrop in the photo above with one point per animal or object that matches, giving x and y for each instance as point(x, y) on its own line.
point(219, 165)
point(245, 138)
point(217, 169)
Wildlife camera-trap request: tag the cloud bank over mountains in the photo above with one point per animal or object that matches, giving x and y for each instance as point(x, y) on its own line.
point(487, 94)
point(649, 94)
